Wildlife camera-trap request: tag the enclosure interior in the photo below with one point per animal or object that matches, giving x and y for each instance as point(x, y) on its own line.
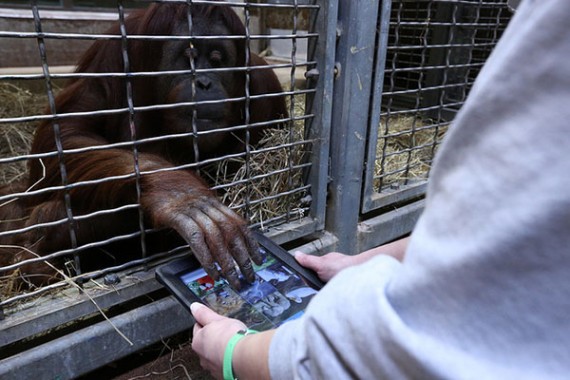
point(263, 182)
point(434, 51)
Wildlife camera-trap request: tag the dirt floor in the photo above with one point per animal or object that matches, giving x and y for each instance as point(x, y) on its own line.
point(181, 363)
point(168, 360)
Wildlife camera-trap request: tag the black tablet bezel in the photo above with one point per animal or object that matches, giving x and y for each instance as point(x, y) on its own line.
point(169, 274)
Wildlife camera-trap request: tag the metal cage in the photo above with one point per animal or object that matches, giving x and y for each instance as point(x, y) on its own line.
point(370, 89)
point(434, 51)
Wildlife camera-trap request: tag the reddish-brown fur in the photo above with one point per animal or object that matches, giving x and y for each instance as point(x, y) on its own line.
point(179, 199)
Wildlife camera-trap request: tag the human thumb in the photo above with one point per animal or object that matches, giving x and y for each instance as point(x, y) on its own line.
point(305, 260)
point(203, 314)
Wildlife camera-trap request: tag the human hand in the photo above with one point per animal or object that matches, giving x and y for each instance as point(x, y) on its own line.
point(329, 265)
point(326, 266)
point(211, 335)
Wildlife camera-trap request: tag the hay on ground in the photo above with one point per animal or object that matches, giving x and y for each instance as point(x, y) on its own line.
point(271, 169)
point(404, 150)
point(16, 138)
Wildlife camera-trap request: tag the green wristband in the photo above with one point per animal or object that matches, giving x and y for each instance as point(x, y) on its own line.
point(227, 369)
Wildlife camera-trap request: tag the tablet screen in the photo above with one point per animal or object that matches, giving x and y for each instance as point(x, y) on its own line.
point(278, 295)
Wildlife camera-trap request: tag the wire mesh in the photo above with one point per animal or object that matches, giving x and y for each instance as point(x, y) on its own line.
point(434, 52)
point(262, 181)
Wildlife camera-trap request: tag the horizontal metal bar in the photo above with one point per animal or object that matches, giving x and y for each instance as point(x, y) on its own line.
point(113, 16)
point(156, 258)
point(143, 37)
point(378, 200)
point(388, 226)
point(412, 129)
point(324, 243)
point(145, 74)
point(261, 176)
point(439, 46)
point(405, 168)
point(69, 251)
point(276, 196)
point(436, 23)
point(471, 2)
point(421, 109)
point(138, 142)
point(49, 312)
point(290, 5)
point(142, 141)
point(192, 165)
point(284, 220)
point(116, 111)
point(427, 88)
point(371, 232)
point(19, 13)
point(76, 218)
point(290, 231)
point(92, 347)
point(437, 67)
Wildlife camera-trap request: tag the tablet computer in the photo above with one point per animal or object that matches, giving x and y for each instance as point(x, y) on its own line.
point(280, 293)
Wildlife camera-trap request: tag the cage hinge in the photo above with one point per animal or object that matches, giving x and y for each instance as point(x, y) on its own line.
point(312, 74)
point(337, 69)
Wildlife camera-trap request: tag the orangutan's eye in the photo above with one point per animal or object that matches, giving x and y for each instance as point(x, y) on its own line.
point(216, 57)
